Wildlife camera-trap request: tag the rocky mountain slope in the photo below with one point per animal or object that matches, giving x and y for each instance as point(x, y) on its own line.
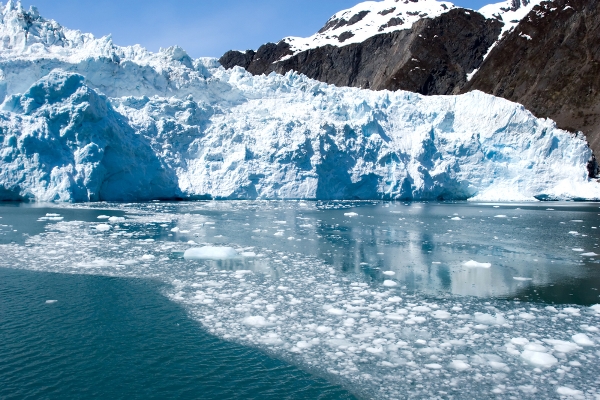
point(551, 64)
point(544, 55)
point(424, 46)
point(84, 120)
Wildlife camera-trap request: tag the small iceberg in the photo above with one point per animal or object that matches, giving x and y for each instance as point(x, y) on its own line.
point(210, 253)
point(475, 264)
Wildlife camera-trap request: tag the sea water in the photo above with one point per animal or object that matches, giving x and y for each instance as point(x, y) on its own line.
point(389, 300)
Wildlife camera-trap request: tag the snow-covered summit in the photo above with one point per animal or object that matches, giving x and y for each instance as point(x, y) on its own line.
point(368, 19)
point(510, 12)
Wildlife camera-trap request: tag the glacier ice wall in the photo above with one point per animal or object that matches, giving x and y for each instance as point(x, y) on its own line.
point(85, 120)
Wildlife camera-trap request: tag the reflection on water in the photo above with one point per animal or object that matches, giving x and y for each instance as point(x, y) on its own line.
point(530, 246)
point(537, 251)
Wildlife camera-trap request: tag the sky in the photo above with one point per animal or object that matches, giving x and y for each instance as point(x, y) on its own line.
point(204, 28)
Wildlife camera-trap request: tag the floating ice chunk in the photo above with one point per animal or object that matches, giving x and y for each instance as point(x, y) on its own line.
point(148, 257)
point(389, 273)
point(500, 216)
point(572, 310)
point(256, 321)
point(526, 316)
point(116, 219)
point(535, 347)
point(459, 365)
point(336, 311)
point(349, 322)
point(590, 254)
point(518, 278)
point(566, 391)
point(488, 319)
point(456, 219)
point(441, 314)
point(475, 264)
point(51, 301)
point(103, 227)
point(578, 249)
point(249, 254)
point(574, 233)
point(421, 309)
point(351, 214)
point(394, 299)
point(279, 233)
point(323, 329)
point(210, 253)
point(176, 229)
point(596, 308)
point(303, 345)
point(389, 283)
point(433, 366)
point(562, 346)
point(582, 339)
point(394, 317)
point(374, 350)
point(539, 359)
point(103, 217)
point(52, 215)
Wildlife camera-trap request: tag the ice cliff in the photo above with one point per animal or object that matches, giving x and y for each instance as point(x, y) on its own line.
point(82, 119)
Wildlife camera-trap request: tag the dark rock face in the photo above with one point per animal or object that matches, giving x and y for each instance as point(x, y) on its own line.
point(550, 63)
point(431, 58)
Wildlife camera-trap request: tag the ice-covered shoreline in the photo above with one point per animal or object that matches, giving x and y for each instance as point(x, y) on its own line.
point(85, 120)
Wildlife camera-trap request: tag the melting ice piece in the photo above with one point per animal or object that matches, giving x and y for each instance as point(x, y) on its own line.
point(255, 321)
point(389, 283)
point(475, 264)
point(582, 339)
point(116, 219)
point(567, 391)
point(210, 253)
point(390, 273)
point(539, 359)
point(103, 227)
point(590, 254)
point(51, 301)
point(500, 216)
point(518, 278)
point(351, 214)
point(459, 365)
point(456, 219)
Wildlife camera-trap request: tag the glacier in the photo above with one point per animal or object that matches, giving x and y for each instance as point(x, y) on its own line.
point(83, 119)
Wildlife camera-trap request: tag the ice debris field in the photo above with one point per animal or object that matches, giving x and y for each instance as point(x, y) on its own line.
point(82, 119)
point(374, 336)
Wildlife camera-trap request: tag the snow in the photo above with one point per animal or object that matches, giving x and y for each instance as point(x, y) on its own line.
point(508, 14)
point(377, 17)
point(85, 120)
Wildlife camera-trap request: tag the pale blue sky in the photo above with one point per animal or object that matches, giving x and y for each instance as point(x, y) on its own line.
point(202, 27)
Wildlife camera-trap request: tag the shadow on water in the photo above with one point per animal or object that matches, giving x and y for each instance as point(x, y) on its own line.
point(119, 338)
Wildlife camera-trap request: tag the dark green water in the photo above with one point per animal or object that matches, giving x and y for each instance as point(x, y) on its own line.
point(115, 338)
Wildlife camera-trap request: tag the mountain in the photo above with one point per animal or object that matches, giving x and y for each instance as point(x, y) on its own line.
point(82, 119)
point(540, 54)
point(424, 46)
point(551, 64)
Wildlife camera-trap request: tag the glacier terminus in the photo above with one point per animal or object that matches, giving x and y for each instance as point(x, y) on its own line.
point(83, 119)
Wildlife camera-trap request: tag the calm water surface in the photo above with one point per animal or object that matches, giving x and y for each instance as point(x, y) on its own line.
point(418, 300)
